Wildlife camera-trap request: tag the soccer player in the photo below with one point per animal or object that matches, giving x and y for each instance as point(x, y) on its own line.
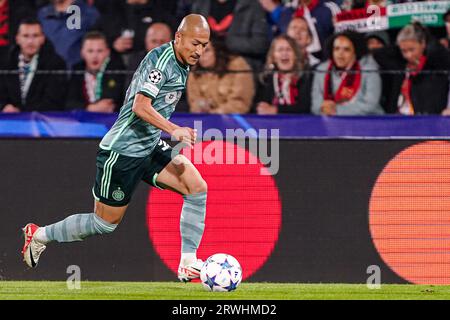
point(132, 151)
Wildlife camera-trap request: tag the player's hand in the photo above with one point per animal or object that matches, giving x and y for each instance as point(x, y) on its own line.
point(185, 135)
point(446, 112)
point(9, 108)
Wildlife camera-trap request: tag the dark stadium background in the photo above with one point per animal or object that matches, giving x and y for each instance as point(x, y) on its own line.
point(324, 187)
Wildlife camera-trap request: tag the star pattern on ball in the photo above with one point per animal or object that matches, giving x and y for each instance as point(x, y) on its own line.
point(226, 264)
point(232, 286)
point(211, 282)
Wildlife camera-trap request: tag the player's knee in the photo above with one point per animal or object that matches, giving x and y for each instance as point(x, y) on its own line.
point(198, 186)
point(102, 226)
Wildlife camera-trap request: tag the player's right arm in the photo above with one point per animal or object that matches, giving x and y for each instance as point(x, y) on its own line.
point(142, 107)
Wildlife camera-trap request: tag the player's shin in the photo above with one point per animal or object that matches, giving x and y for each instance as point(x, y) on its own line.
point(192, 225)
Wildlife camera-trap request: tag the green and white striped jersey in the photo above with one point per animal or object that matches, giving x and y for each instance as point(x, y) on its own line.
point(161, 77)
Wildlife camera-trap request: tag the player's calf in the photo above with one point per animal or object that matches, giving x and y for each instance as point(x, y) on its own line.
point(74, 228)
point(78, 227)
point(192, 225)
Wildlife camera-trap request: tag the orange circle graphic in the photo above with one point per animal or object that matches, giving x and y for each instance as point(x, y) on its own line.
point(409, 213)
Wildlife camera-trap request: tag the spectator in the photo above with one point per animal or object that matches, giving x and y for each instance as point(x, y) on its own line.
point(221, 82)
point(318, 14)
point(346, 83)
point(125, 27)
point(242, 23)
point(376, 40)
point(11, 13)
point(286, 89)
point(419, 86)
point(298, 29)
point(92, 88)
point(28, 90)
point(55, 21)
point(157, 34)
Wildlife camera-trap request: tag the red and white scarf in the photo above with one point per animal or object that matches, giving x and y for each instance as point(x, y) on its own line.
point(285, 89)
point(405, 105)
point(349, 87)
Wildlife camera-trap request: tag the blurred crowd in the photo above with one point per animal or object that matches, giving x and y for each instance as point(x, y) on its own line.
point(265, 57)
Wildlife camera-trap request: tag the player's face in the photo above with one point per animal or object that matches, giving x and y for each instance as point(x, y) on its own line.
point(190, 47)
point(284, 55)
point(412, 50)
point(298, 30)
point(343, 52)
point(208, 59)
point(94, 53)
point(30, 39)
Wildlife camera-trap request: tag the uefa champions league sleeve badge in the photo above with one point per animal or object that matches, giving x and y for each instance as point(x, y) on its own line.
point(155, 76)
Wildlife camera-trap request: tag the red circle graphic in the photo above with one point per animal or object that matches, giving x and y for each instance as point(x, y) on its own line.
point(243, 211)
point(410, 213)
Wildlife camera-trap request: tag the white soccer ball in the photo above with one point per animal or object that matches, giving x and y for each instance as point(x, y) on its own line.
point(221, 272)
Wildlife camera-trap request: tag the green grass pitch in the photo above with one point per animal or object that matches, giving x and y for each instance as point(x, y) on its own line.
point(50, 290)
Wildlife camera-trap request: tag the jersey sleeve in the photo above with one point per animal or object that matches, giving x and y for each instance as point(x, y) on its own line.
point(152, 76)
